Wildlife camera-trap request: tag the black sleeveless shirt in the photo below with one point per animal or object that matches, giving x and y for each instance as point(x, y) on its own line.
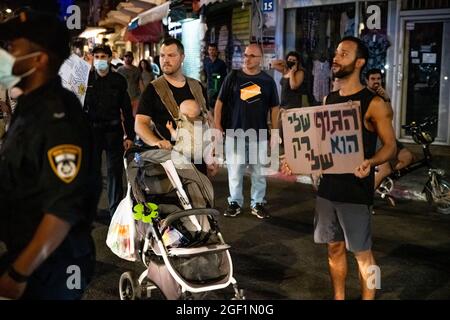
point(290, 98)
point(348, 187)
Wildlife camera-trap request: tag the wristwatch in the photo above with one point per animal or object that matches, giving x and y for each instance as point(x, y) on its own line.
point(16, 276)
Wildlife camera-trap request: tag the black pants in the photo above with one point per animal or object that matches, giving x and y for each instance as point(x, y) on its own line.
point(110, 139)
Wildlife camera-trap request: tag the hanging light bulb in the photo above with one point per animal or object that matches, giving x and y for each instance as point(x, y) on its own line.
point(243, 5)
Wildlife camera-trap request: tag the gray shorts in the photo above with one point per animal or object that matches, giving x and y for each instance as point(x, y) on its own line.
point(343, 221)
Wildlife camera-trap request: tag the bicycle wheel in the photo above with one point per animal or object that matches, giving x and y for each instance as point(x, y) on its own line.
point(438, 194)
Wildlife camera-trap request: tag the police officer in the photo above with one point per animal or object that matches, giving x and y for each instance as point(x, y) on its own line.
point(49, 184)
point(107, 100)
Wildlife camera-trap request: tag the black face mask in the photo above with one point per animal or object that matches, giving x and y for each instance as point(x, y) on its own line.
point(290, 64)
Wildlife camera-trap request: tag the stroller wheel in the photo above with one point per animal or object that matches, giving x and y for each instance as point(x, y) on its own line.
point(128, 287)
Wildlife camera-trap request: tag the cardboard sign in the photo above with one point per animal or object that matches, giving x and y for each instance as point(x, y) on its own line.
point(74, 74)
point(323, 139)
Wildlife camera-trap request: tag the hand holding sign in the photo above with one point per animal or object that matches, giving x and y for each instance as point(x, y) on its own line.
point(324, 139)
point(363, 170)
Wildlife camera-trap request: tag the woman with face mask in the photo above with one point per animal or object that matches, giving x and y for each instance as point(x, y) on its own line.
point(293, 76)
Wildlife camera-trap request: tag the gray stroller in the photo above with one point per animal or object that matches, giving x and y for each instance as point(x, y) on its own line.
point(179, 240)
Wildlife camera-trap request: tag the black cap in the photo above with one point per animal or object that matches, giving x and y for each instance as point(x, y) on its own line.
point(102, 48)
point(43, 28)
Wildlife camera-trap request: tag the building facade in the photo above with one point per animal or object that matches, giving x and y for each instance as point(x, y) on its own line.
point(407, 39)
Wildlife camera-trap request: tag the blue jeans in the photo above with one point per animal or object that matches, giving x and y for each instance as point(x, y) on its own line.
point(238, 158)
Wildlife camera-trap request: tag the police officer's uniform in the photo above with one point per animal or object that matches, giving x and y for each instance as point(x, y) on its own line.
point(46, 166)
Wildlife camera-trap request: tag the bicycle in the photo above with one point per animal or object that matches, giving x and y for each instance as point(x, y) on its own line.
point(436, 189)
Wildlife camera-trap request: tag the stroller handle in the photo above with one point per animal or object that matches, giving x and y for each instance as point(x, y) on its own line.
point(192, 212)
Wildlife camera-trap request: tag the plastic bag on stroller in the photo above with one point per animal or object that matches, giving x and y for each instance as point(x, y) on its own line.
point(122, 230)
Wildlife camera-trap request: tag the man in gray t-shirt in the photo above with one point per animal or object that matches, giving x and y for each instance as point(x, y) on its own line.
point(132, 74)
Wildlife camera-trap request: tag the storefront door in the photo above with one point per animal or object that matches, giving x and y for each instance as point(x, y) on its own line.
point(425, 85)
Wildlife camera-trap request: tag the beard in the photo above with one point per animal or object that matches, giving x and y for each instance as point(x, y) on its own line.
point(168, 69)
point(345, 71)
point(375, 86)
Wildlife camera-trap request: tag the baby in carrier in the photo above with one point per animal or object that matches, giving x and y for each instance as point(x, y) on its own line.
point(191, 117)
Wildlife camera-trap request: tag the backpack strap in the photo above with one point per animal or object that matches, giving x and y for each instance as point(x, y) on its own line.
point(163, 90)
point(197, 92)
point(165, 94)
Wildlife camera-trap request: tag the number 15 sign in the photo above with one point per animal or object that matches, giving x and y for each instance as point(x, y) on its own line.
point(268, 6)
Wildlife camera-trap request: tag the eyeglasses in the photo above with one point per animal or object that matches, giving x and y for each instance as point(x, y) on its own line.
point(250, 56)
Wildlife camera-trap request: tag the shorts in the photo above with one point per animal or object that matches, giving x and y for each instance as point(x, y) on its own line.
point(343, 221)
point(399, 145)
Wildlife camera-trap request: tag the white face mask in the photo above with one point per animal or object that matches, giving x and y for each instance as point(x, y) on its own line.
point(101, 65)
point(7, 61)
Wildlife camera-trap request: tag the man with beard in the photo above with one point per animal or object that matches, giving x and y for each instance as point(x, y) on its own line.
point(343, 205)
point(404, 156)
point(161, 99)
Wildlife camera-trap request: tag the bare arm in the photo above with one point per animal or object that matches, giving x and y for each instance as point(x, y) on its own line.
point(380, 114)
point(379, 118)
point(274, 117)
point(141, 85)
point(279, 65)
point(218, 115)
point(173, 132)
point(49, 235)
point(296, 78)
point(142, 128)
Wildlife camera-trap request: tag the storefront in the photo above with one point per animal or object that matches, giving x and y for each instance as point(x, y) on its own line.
point(422, 84)
point(229, 25)
point(186, 25)
point(314, 28)
point(410, 43)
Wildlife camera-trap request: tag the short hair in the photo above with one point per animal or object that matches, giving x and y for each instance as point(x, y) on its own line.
point(171, 41)
point(373, 71)
point(361, 51)
point(256, 44)
point(214, 45)
point(102, 48)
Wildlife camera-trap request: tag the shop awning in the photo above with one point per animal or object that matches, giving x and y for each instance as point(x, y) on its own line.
point(91, 32)
point(150, 32)
point(154, 14)
point(127, 11)
point(147, 26)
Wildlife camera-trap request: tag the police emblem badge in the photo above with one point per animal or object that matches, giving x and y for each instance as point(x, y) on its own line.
point(65, 161)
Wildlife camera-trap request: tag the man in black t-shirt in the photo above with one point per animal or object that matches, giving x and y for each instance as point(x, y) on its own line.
point(247, 98)
point(155, 107)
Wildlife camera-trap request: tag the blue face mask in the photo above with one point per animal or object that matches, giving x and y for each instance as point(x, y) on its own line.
point(101, 65)
point(7, 61)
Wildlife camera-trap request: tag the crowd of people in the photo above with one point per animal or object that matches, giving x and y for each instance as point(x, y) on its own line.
point(53, 173)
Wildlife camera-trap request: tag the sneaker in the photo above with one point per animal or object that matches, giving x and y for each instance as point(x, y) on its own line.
point(259, 211)
point(233, 210)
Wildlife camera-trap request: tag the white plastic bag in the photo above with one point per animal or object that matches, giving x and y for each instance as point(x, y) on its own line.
point(122, 230)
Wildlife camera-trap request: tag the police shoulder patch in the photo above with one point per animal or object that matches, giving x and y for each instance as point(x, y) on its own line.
point(65, 161)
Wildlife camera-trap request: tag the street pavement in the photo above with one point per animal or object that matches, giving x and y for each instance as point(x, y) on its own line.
point(277, 258)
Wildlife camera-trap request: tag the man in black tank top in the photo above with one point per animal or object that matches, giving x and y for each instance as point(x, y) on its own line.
point(343, 205)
